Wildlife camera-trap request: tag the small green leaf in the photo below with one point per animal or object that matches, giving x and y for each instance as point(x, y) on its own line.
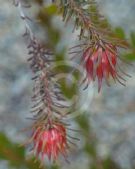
point(119, 32)
point(90, 149)
point(109, 164)
point(132, 35)
point(130, 56)
point(50, 10)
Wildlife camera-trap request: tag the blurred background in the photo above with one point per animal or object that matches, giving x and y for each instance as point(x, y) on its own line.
point(108, 137)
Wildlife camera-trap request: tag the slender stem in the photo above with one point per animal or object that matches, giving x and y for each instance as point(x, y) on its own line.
point(40, 62)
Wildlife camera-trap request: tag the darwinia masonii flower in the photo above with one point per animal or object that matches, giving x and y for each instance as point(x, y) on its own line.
point(50, 142)
point(101, 62)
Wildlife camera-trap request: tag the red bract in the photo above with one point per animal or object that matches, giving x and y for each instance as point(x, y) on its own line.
point(101, 62)
point(50, 142)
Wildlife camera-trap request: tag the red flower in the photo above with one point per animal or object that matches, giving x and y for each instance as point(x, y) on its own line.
point(101, 62)
point(50, 142)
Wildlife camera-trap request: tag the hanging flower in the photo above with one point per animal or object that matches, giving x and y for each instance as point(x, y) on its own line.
point(101, 62)
point(50, 142)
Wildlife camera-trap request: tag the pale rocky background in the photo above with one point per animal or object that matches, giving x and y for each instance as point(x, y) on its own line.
point(112, 112)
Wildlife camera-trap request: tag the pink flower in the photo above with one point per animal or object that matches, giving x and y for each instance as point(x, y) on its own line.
point(50, 142)
point(101, 62)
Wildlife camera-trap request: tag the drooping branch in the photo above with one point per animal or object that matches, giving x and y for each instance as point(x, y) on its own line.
point(99, 45)
point(49, 103)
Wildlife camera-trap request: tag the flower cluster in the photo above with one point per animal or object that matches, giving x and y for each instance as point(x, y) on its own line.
point(50, 141)
point(100, 62)
point(49, 137)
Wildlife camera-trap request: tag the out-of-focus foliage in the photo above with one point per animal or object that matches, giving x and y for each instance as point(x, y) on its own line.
point(90, 146)
point(15, 155)
point(130, 55)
